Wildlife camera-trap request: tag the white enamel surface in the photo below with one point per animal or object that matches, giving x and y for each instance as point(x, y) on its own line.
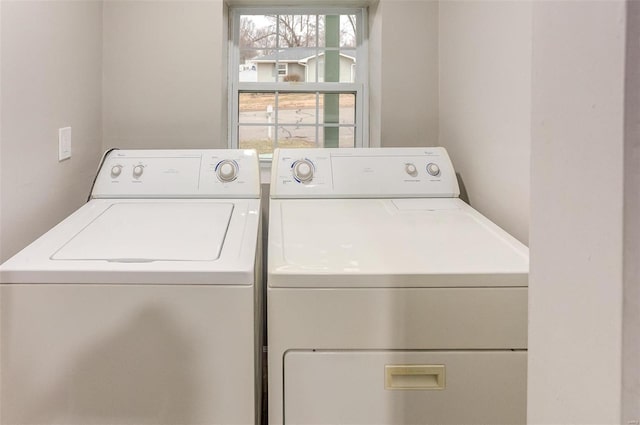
point(189, 173)
point(383, 242)
point(152, 231)
point(81, 354)
point(362, 173)
point(234, 265)
point(351, 385)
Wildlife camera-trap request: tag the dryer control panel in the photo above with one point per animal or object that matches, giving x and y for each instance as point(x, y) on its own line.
point(197, 173)
point(363, 173)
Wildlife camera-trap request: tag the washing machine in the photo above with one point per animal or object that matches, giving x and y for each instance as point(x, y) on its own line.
point(390, 300)
point(144, 305)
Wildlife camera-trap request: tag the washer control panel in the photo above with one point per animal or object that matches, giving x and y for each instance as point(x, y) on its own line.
point(198, 173)
point(363, 172)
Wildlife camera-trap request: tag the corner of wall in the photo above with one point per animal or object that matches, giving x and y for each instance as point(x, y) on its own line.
point(2, 255)
point(375, 73)
point(484, 104)
point(225, 80)
point(631, 225)
point(53, 81)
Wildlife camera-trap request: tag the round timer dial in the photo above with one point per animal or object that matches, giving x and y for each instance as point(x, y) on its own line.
point(433, 169)
point(227, 170)
point(302, 170)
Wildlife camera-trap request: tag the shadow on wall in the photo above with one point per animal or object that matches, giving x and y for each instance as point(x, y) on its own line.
point(463, 189)
point(142, 374)
point(264, 205)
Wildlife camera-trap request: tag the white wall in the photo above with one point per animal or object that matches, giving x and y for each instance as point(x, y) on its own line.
point(165, 74)
point(577, 197)
point(485, 105)
point(2, 257)
point(51, 74)
point(404, 73)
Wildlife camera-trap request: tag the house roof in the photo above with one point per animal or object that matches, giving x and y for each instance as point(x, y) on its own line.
point(300, 54)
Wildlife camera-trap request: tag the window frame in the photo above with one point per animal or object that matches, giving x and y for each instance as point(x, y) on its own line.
point(359, 87)
point(285, 68)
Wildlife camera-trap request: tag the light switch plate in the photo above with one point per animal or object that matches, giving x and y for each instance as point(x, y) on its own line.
point(64, 143)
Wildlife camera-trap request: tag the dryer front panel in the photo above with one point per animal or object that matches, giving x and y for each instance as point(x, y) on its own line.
point(405, 387)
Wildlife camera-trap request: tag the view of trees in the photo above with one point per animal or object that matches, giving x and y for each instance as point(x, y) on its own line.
point(260, 35)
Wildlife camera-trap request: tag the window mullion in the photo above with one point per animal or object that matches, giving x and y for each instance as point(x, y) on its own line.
point(317, 49)
point(277, 79)
point(276, 133)
point(299, 87)
point(318, 121)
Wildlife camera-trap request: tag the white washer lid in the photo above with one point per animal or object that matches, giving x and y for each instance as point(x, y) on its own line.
point(157, 231)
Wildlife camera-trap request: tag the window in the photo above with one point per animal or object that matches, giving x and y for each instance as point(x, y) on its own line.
point(282, 70)
point(297, 78)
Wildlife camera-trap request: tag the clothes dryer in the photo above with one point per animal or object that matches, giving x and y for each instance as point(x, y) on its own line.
point(144, 306)
point(390, 300)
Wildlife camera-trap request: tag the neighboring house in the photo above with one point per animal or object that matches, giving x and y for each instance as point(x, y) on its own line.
point(300, 65)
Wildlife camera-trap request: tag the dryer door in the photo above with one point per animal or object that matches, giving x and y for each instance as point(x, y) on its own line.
point(405, 387)
point(152, 231)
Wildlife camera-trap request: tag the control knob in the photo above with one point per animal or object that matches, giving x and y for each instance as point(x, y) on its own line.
point(302, 170)
point(138, 170)
point(227, 170)
point(433, 169)
point(411, 170)
point(116, 170)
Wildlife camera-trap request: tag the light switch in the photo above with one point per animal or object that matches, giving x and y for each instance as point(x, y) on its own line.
point(64, 143)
